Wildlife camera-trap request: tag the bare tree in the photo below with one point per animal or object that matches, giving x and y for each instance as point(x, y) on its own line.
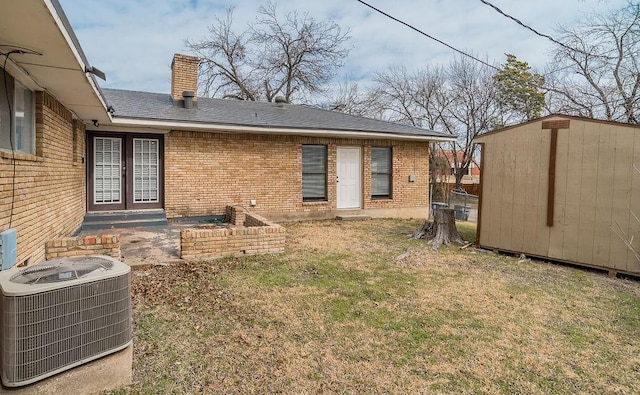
point(417, 98)
point(350, 99)
point(473, 110)
point(460, 98)
point(273, 57)
point(597, 72)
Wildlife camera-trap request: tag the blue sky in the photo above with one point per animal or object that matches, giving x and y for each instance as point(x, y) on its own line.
point(133, 41)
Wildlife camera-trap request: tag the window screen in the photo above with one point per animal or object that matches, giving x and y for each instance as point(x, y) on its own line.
point(24, 119)
point(314, 172)
point(380, 172)
point(17, 127)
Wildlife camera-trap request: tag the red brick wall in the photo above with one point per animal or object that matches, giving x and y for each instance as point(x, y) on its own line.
point(50, 188)
point(205, 172)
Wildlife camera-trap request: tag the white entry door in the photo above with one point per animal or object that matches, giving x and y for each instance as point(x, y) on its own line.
point(349, 180)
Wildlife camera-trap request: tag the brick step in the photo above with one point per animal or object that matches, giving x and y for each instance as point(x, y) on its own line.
point(124, 219)
point(125, 215)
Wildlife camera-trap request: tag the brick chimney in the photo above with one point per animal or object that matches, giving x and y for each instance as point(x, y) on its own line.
point(184, 78)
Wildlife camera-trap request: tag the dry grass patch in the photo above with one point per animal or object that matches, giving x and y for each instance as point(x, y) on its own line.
point(338, 312)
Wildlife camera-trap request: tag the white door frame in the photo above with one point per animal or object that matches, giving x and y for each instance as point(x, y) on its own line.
point(349, 193)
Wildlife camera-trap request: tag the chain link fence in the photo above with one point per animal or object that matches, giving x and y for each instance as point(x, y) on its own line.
point(464, 205)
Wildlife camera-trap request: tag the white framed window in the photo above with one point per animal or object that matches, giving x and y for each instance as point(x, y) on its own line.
point(17, 116)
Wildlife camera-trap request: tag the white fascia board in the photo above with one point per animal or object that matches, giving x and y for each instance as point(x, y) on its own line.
point(174, 125)
point(76, 54)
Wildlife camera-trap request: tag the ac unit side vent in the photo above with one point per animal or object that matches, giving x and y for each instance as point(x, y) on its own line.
point(47, 332)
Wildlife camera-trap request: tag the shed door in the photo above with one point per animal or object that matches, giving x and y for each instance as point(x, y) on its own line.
point(349, 173)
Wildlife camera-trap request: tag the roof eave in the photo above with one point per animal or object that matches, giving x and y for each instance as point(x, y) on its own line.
point(69, 35)
point(51, 59)
point(230, 128)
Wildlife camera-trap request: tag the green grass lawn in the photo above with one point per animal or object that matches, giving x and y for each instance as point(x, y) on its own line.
point(339, 312)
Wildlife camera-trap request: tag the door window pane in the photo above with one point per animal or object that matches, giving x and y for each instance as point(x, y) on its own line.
point(107, 170)
point(145, 170)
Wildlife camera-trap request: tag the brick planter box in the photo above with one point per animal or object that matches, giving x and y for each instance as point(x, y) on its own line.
point(82, 246)
point(256, 235)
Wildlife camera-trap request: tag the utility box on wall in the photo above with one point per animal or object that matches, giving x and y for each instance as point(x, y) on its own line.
point(8, 248)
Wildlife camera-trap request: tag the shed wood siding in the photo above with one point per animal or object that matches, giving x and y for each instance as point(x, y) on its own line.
point(205, 172)
point(49, 186)
point(595, 188)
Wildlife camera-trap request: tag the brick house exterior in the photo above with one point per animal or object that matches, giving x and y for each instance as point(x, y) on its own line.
point(91, 149)
point(42, 125)
point(268, 169)
point(49, 185)
point(230, 152)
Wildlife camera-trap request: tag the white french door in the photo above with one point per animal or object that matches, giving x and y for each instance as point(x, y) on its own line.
point(124, 172)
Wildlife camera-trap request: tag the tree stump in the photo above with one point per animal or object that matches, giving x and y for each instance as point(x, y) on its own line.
point(441, 231)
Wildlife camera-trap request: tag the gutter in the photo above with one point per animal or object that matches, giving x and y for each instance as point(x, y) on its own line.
point(225, 128)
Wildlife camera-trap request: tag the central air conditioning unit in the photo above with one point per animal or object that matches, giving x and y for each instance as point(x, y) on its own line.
point(62, 313)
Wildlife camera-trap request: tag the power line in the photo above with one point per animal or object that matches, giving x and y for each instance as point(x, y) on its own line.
point(519, 22)
point(428, 36)
point(592, 106)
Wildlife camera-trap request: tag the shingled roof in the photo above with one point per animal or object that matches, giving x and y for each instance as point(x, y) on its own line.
point(133, 105)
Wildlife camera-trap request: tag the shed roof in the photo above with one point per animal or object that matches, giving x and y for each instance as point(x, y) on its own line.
point(133, 105)
point(556, 116)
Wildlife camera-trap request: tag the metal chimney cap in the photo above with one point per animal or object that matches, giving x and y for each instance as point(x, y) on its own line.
point(188, 94)
point(280, 100)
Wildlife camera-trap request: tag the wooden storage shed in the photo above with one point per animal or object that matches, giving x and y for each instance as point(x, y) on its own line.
point(554, 188)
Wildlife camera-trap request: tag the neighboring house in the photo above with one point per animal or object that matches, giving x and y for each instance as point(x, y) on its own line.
point(470, 181)
point(555, 187)
point(72, 147)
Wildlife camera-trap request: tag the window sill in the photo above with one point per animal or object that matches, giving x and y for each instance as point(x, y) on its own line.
point(19, 156)
point(381, 198)
point(316, 203)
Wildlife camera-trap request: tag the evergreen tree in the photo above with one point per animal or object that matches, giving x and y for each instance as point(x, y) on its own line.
point(519, 91)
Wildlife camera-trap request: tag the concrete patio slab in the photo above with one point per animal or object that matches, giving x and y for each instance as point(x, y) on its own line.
point(147, 246)
point(107, 373)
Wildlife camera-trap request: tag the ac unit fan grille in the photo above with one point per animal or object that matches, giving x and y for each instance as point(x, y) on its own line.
point(46, 332)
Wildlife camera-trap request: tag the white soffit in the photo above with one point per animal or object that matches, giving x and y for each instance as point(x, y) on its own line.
point(37, 26)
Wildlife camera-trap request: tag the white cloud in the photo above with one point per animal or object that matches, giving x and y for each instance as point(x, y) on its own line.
point(134, 41)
